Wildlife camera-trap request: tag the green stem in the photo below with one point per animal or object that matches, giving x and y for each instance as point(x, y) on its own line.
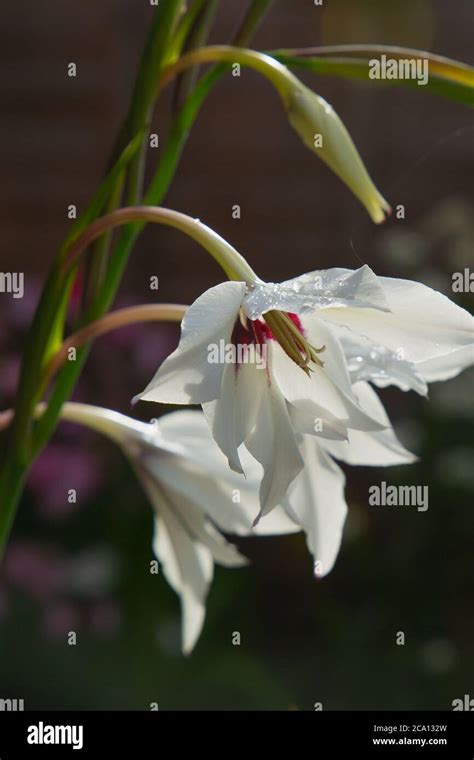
point(251, 21)
point(158, 187)
point(233, 264)
point(96, 271)
point(12, 478)
point(63, 388)
point(181, 125)
point(153, 58)
point(197, 36)
point(270, 68)
point(154, 312)
point(49, 304)
point(18, 444)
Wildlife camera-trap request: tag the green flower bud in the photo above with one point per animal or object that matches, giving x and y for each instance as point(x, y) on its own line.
point(323, 132)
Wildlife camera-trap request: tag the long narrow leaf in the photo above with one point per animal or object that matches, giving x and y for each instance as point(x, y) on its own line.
point(448, 78)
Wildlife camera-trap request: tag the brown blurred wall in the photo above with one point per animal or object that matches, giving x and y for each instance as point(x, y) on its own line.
point(56, 133)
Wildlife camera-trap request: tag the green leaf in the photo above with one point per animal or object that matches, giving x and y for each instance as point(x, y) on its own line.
point(183, 29)
point(198, 34)
point(254, 16)
point(448, 78)
point(157, 190)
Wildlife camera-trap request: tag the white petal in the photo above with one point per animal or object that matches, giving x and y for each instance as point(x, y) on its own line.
point(201, 473)
point(273, 444)
point(220, 415)
point(423, 325)
point(314, 290)
point(378, 448)
point(232, 416)
point(187, 510)
point(379, 365)
point(197, 448)
point(275, 523)
point(307, 417)
point(335, 366)
point(447, 366)
point(188, 425)
point(187, 376)
point(316, 502)
point(320, 334)
point(195, 521)
point(186, 544)
point(313, 397)
point(326, 388)
point(188, 568)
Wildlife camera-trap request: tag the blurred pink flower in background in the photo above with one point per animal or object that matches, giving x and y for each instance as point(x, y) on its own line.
point(153, 348)
point(19, 312)
point(10, 370)
point(73, 592)
point(61, 618)
point(105, 617)
point(33, 568)
point(60, 468)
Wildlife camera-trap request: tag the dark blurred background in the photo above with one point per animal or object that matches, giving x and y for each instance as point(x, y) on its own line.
point(85, 566)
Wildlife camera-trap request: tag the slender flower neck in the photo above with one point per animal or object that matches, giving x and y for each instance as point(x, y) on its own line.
point(130, 315)
point(269, 67)
point(231, 261)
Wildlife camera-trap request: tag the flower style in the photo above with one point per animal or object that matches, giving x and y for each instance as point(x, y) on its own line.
point(194, 495)
point(365, 328)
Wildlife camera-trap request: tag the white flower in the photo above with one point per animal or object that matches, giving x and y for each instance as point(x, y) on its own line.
point(194, 495)
point(379, 329)
point(266, 408)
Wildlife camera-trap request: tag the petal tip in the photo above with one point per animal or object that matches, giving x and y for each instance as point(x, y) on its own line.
point(381, 213)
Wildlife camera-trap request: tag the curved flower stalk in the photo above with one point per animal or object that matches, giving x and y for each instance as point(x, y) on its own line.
point(194, 496)
point(379, 329)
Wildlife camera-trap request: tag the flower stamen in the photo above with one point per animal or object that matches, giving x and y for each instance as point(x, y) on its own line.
point(292, 341)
